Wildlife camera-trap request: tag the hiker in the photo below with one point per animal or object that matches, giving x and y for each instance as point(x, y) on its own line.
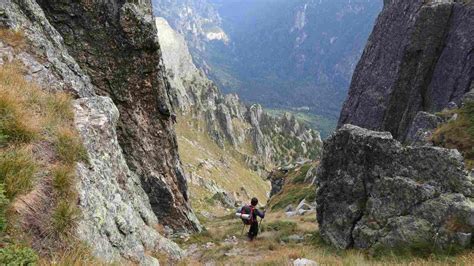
point(249, 215)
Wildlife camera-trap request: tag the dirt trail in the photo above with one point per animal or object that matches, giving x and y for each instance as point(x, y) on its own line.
point(281, 241)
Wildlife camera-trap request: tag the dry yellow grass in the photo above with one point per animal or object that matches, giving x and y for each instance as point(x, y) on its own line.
point(269, 249)
point(38, 151)
point(13, 38)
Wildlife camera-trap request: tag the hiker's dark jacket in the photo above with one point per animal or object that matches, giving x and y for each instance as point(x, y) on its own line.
point(258, 213)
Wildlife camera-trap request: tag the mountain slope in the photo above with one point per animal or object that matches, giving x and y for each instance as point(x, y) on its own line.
point(282, 54)
point(226, 145)
point(229, 122)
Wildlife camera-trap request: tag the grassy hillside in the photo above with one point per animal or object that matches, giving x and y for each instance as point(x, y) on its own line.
point(295, 189)
point(38, 151)
point(277, 245)
point(225, 168)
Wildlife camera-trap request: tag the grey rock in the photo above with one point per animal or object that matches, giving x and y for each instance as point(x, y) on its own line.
point(58, 69)
point(295, 239)
point(303, 206)
point(421, 129)
point(469, 97)
point(116, 45)
point(117, 218)
point(374, 193)
point(418, 58)
point(304, 262)
point(225, 199)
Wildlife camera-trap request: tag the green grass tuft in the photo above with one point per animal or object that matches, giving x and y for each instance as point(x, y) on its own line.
point(69, 146)
point(63, 180)
point(17, 171)
point(64, 218)
point(292, 194)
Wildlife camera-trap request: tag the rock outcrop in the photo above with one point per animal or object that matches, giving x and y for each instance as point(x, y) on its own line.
point(133, 180)
point(115, 43)
point(116, 214)
point(375, 193)
point(418, 58)
point(228, 121)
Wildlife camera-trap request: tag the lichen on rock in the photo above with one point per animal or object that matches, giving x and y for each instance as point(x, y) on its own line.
point(116, 214)
point(374, 193)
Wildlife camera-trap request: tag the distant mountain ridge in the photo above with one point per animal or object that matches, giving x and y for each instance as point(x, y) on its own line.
point(283, 54)
point(229, 122)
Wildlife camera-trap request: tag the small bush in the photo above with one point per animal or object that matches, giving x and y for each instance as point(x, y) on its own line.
point(64, 218)
point(15, 255)
point(3, 208)
point(17, 171)
point(69, 146)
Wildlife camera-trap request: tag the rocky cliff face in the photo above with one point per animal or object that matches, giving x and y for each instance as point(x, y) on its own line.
point(197, 20)
point(228, 120)
point(418, 58)
point(133, 180)
point(374, 193)
point(115, 44)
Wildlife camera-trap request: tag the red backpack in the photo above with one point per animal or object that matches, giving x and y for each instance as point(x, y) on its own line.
point(248, 209)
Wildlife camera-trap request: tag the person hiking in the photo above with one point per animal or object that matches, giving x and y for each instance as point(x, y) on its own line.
point(252, 213)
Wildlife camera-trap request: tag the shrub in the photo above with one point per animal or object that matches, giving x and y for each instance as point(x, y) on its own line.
point(69, 146)
point(15, 255)
point(17, 171)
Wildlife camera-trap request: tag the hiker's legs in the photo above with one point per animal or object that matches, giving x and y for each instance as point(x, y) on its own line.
point(253, 230)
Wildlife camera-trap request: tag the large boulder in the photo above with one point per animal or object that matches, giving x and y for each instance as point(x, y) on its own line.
point(375, 193)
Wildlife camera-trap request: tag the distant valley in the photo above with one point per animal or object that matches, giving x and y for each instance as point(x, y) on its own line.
point(295, 56)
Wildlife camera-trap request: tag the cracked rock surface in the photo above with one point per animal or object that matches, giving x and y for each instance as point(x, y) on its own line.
point(375, 193)
point(419, 57)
